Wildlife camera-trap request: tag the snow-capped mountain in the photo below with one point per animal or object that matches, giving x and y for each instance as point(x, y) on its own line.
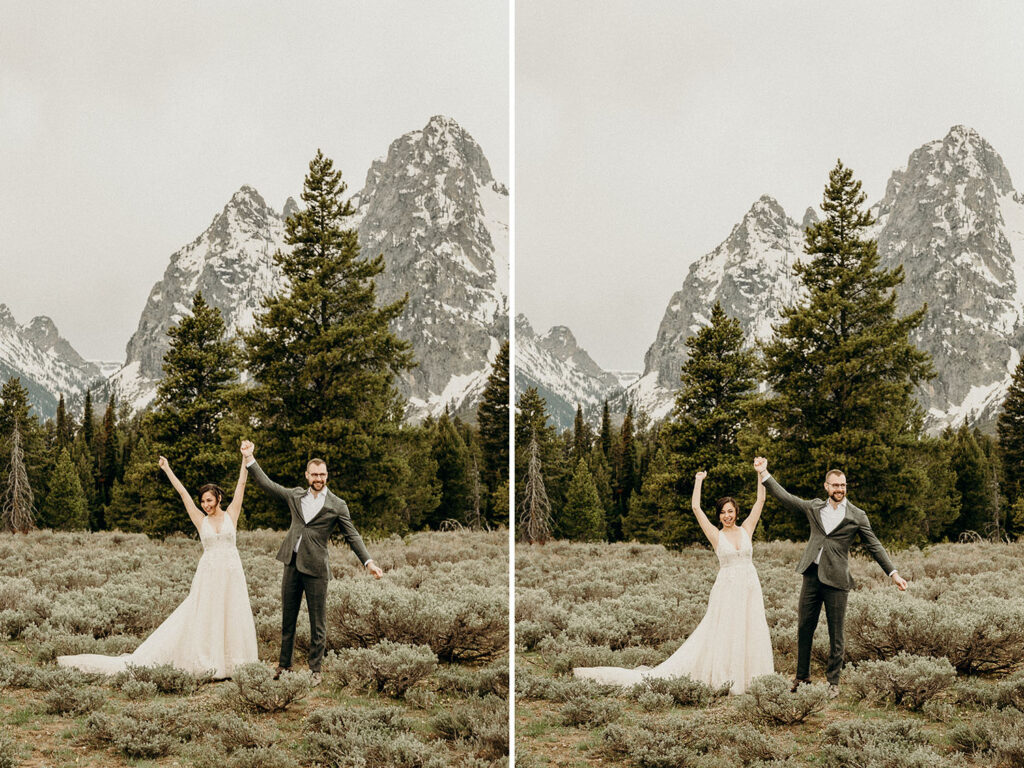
point(431, 206)
point(563, 373)
point(951, 218)
point(750, 273)
point(231, 263)
point(435, 211)
point(43, 360)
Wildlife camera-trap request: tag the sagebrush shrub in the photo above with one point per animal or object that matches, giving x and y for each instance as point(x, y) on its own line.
point(139, 689)
point(166, 677)
point(479, 681)
point(878, 744)
point(483, 722)
point(345, 738)
point(66, 699)
point(1001, 694)
point(133, 736)
point(256, 689)
point(8, 752)
point(387, 667)
point(589, 713)
point(685, 691)
point(769, 700)
point(905, 680)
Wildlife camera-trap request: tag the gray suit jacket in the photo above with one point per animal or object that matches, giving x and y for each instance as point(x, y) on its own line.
point(834, 568)
point(311, 558)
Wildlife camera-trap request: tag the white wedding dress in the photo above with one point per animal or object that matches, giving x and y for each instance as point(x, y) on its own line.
point(732, 641)
point(210, 633)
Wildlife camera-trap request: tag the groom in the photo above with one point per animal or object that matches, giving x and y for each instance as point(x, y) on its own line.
point(314, 513)
point(825, 566)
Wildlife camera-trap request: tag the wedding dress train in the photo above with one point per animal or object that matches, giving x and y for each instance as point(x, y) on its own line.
point(732, 641)
point(210, 633)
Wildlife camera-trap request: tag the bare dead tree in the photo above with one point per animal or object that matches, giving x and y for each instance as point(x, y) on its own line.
point(476, 519)
point(17, 513)
point(535, 508)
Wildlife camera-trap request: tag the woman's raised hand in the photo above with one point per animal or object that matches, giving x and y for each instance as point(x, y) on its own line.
point(700, 476)
point(164, 465)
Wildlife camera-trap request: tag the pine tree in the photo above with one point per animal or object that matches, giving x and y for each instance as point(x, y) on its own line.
point(606, 432)
point(65, 427)
point(581, 437)
point(649, 518)
point(15, 412)
point(66, 507)
point(969, 463)
point(141, 491)
point(624, 467)
point(88, 421)
point(716, 390)
point(582, 517)
point(492, 417)
point(16, 509)
point(324, 362)
point(107, 464)
point(534, 508)
point(843, 373)
point(452, 458)
point(1010, 429)
point(532, 423)
point(191, 401)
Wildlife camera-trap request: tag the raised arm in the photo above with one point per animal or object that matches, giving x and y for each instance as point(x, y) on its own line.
point(190, 506)
point(780, 494)
point(235, 507)
point(705, 525)
point(755, 511)
point(254, 469)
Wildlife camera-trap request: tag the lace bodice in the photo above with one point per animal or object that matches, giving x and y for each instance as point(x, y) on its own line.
point(217, 542)
point(729, 556)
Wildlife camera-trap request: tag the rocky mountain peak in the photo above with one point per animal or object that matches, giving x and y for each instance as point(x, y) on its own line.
point(559, 340)
point(810, 218)
point(6, 318)
point(42, 331)
point(523, 327)
point(290, 207)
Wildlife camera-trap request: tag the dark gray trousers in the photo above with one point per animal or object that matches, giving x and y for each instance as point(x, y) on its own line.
point(813, 595)
point(293, 584)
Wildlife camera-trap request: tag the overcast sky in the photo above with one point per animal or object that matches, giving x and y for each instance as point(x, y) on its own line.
point(644, 132)
point(126, 126)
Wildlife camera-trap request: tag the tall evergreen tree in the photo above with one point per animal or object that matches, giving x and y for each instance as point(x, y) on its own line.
point(324, 360)
point(581, 437)
point(107, 465)
point(582, 517)
point(532, 423)
point(624, 466)
point(534, 507)
point(648, 518)
point(65, 427)
point(135, 498)
point(971, 465)
point(492, 417)
point(1010, 429)
point(606, 432)
point(66, 507)
point(17, 509)
point(843, 373)
point(716, 390)
point(88, 421)
point(15, 412)
point(191, 401)
point(452, 458)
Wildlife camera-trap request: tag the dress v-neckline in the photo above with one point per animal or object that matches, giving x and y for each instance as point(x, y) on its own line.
point(222, 522)
point(721, 533)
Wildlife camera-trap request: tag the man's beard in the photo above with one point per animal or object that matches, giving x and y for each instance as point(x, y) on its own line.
point(838, 497)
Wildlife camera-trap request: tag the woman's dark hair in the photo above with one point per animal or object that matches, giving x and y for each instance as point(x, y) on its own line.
point(213, 488)
point(720, 504)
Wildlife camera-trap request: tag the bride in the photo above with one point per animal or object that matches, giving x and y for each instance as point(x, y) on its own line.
point(212, 631)
point(732, 642)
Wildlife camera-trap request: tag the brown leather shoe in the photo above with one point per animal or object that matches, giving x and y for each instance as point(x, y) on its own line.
point(279, 670)
point(797, 683)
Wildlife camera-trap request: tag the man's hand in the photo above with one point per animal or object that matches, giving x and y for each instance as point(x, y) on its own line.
point(247, 449)
point(373, 568)
point(900, 582)
point(162, 463)
point(760, 464)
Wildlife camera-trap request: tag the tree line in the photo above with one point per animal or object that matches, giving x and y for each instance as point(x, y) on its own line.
point(833, 388)
point(315, 377)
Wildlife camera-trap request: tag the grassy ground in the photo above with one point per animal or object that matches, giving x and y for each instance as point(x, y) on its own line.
point(70, 593)
point(624, 605)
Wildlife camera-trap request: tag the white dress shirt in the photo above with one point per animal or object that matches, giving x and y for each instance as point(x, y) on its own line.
point(831, 517)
